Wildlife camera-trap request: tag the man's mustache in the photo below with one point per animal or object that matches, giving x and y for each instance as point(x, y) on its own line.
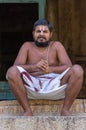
point(41, 37)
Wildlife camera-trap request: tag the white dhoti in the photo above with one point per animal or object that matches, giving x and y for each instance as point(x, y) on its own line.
point(44, 86)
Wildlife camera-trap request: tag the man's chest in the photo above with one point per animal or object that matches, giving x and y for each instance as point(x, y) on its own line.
point(34, 57)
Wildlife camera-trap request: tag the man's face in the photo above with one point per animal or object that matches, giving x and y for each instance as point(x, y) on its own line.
point(42, 34)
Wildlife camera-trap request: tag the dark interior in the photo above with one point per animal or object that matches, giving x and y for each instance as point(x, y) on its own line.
point(16, 23)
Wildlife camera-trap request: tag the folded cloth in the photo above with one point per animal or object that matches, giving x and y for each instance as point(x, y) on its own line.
point(45, 86)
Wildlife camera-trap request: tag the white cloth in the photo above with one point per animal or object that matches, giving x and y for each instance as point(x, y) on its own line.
point(45, 86)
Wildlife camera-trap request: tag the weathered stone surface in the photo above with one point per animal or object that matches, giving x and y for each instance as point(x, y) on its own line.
point(46, 116)
point(43, 123)
point(44, 107)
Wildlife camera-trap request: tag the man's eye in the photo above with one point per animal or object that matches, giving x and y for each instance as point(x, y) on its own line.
point(45, 32)
point(38, 31)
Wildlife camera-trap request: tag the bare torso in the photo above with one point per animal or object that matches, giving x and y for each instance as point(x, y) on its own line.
point(35, 54)
point(42, 60)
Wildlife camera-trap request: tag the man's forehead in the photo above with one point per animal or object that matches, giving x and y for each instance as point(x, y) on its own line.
point(42, 27)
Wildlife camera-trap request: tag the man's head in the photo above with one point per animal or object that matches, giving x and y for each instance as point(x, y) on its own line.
point(43, 22)
point(42, 32)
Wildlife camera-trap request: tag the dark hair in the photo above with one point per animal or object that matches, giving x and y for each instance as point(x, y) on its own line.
point(43, 22)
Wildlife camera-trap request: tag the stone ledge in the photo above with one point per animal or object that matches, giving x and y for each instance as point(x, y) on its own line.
point(42, 107)
point(43, 123)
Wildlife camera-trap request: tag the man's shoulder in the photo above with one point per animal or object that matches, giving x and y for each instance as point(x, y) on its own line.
point(56, 43)
point(28, 44)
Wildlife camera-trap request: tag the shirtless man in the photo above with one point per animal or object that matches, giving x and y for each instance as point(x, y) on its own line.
point(41, 57)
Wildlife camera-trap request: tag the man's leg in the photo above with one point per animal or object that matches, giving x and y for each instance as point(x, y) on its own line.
point(17, 86)
point(74, 78)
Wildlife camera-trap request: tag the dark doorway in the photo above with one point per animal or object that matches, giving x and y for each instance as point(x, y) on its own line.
point(16, 23)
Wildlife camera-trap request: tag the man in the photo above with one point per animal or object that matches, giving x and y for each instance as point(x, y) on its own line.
point(43, 70)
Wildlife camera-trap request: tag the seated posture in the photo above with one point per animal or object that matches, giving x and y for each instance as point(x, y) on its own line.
point(43, 70)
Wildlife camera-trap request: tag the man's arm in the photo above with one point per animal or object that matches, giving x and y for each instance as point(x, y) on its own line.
point(63, 58)
point(21, 60)
point(37, 69)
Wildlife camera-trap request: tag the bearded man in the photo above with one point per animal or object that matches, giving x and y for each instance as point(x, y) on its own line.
point(43, 70)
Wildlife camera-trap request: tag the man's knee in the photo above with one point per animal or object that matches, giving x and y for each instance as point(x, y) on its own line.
point(11, 72)
point(77, 70)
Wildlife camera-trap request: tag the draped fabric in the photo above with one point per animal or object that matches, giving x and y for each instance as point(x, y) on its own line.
point(45, 86)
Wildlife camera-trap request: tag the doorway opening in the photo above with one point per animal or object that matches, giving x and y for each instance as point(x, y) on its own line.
point(16, 23)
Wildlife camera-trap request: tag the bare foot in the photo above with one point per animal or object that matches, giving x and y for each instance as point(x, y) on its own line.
point(65, 113)
point(27, 114)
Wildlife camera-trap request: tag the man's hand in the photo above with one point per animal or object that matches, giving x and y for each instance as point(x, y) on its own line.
point(43, 65)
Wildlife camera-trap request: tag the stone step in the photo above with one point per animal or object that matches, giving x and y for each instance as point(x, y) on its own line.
point(46, 116)
point(43, 123)
point(39, 107)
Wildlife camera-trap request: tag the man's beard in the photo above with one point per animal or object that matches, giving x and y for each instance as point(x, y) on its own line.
point(41, 44)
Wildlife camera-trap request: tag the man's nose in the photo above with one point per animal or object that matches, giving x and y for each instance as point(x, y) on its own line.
point(41, 32)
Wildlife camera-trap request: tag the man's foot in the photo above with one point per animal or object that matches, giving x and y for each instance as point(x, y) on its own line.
point(27, 114)
point(65, 113)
